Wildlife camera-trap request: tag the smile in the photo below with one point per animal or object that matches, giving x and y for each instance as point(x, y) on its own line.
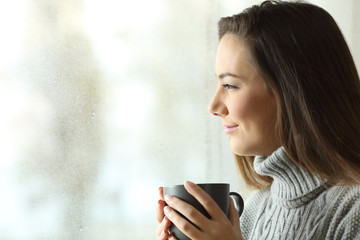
point(230, 129)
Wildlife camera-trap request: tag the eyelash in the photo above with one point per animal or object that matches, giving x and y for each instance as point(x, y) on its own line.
point(229, 87)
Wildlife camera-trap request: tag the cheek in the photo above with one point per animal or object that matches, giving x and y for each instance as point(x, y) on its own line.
point(240, 109)
point(248, 106)
point(254, 108)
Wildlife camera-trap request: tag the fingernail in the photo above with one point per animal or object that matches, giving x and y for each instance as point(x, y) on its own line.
point(168, 198)
point(167, 210)
point(162, 233)
point(189, 184)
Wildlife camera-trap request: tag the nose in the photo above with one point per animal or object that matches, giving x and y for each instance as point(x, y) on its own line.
point(217, 106)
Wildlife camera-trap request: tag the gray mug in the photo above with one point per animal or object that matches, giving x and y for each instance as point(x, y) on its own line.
point(220, 192)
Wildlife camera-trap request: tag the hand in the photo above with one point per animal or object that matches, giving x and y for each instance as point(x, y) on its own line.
point(219, 226)
point(164, 223)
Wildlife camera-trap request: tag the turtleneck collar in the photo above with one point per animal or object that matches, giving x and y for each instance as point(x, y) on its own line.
point(292, 186)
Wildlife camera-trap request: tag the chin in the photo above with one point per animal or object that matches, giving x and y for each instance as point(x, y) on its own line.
point(241, 152)
point(245, 151)
point(245, 154)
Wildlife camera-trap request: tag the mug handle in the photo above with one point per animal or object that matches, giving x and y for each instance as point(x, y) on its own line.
point(239, 202)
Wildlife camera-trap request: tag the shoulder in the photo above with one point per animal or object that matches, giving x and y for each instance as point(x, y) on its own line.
point(344, 222)
point(344, 199)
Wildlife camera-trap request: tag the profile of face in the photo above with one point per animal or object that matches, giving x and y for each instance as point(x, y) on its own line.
point(242, 101)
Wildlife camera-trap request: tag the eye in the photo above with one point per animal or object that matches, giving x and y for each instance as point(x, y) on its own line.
point(229, 86)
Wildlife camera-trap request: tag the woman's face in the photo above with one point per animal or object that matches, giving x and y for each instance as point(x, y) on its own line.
point(242, 101)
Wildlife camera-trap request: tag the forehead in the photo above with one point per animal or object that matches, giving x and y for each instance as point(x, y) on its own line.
point(230, 44)
point(232, 54)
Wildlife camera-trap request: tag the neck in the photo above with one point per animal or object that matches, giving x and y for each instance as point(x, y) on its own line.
point(293, 186)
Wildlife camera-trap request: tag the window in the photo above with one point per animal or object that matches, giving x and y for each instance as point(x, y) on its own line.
point(105, 101)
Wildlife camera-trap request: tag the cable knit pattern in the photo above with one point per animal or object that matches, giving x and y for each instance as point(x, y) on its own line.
point(299, 205)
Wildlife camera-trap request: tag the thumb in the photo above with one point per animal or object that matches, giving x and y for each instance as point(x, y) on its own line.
point(233, 214)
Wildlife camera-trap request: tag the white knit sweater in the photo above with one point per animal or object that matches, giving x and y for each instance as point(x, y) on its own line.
point(298, 206)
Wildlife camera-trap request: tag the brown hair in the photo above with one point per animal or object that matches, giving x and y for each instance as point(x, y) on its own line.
point(305, 61)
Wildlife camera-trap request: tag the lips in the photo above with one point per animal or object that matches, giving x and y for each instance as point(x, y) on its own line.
point(230, 129)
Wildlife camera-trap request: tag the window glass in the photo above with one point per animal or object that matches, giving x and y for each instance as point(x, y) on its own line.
point(102, 102)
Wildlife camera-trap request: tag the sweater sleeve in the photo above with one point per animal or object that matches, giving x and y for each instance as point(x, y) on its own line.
point(345, 223)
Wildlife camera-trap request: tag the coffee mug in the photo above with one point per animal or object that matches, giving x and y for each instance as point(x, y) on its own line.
point(220, 192)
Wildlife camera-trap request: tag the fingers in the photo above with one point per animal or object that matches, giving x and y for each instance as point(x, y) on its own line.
point(163, 227)
point(161, 193)
point(160, 210)
point(163, 236)
point(187, 210)
point(171, 237)
point(233, 214)
point(205, 200)
point(164, 223)
point(182, 224)
point(166, 236)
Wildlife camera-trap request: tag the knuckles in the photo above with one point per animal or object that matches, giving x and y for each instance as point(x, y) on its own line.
point(192, 213)
point(186, 226)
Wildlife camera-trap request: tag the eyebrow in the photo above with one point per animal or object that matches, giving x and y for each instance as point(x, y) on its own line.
point(227, 74)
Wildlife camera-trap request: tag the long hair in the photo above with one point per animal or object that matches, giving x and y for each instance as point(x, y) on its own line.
point(307, 66)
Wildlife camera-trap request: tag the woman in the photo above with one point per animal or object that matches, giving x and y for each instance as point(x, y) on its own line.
point(288, 93)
